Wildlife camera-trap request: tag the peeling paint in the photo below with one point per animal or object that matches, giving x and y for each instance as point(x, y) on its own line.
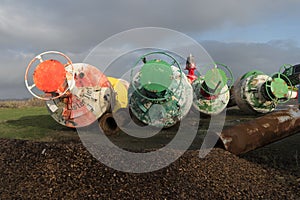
point(166, 112)
point(283, 119)
point(261, 131)
point(267, 125)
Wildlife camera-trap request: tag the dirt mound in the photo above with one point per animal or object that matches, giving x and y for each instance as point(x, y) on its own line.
point(35, 170)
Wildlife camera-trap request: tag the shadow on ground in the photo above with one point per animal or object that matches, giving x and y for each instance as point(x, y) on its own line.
point(39, 121)
point(283, 155)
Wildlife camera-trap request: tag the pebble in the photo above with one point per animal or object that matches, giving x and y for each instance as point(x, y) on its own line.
point(69, 171)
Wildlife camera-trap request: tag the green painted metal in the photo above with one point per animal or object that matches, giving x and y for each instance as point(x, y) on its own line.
point(166, 110)
point(215, 79)
point(138, 87)
point(160, 94)
point(156, 75)
point(287, 69)
point(208, 106)
point(248, 95)
point(256, 92)
point(252, 73)
point(212, 90)
point(279, 88)
point(292, 72)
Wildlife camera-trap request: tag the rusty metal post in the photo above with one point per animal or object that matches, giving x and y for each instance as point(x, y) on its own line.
point(259, 132)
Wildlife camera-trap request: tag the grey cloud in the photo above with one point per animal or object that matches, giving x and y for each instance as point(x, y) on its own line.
point(242, 57)
point(75, 27)
point(79, 25)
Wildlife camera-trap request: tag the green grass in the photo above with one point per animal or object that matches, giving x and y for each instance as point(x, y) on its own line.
point(32, 123)
point(16, 113)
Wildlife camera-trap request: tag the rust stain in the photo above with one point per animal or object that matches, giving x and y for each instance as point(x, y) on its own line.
point(261, 131)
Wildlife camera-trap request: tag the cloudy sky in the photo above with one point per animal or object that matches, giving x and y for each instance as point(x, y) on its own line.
point(261, 34)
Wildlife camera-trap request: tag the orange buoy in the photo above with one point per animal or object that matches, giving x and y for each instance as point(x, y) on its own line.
point(50, 76)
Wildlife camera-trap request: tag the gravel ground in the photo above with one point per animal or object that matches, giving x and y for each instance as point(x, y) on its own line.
point(66, 170)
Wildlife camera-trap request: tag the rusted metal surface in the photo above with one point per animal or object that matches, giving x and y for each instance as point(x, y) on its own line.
point(259, 132)
point(108, 124)
point(88, 100)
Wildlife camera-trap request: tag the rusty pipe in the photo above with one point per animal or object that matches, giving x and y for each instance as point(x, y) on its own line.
point(259, 132)
point(108, 124)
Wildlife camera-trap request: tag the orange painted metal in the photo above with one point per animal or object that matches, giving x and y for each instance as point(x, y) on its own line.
point(50, 76)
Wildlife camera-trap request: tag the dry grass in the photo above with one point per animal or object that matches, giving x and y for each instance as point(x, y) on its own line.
point(22, 103)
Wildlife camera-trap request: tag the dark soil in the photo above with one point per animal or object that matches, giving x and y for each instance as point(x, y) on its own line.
point(66, 170)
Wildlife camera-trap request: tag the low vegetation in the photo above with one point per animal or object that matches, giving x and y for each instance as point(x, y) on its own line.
point(29, 119)
point(21, 103)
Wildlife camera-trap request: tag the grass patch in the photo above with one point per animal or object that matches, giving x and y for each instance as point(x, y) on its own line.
point(22, 103)
point(32, 123)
